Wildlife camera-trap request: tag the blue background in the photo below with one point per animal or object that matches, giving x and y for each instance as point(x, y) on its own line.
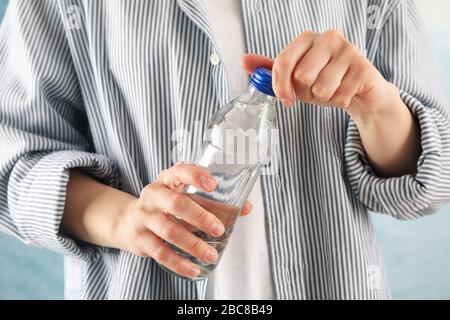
point(417, 253)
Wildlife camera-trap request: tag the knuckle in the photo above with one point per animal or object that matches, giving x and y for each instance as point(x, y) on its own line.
point(362, 65)
point(196, 172)
point(303, 78)
point(134, 236)
point(142, 252)
point(320, 91)
point(334, 34)
point(163, 173)
point(178, 266)
point(281, 62)
point(196, 246)
point(330, 38)
point(304, 97)
point(297, 75)
point(161, 254)
point(340, 101)
point(177, 202)
point(140, 208)
point(171, 231)
point(148, 189)
point(179, 164)
point(350, 48)
point(203, 218)
point(308, 33)
point(176, 167)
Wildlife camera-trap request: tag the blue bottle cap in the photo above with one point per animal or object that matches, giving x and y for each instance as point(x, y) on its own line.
point(261, 79)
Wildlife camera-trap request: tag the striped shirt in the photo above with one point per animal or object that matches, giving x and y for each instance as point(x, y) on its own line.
point(104, 85)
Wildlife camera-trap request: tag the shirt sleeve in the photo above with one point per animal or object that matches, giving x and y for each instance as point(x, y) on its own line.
point(405, 59)
point(44, 130)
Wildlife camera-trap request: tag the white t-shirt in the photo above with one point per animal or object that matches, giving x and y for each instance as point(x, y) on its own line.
point(244, 271)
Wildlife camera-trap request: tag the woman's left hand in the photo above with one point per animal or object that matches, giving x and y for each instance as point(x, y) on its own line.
point(326, 69)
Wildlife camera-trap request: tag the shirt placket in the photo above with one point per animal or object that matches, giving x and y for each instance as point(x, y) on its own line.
point(196, 12)
point(255, 13)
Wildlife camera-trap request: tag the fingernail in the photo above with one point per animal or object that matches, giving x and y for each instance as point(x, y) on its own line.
point(218, 229)
point(211, 255)
point(250, 207)
point(208, 183)
point(193, 271)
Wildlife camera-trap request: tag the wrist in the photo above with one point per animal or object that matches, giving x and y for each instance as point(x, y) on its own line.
point(118, 225)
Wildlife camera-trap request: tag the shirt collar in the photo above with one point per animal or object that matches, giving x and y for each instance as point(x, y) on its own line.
point(195, 10)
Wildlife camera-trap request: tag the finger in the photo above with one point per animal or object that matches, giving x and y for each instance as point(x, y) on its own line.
point(170, 230)
point(246, 209)
point(180, 205)
point(187, 174)
point(227, 213)
point(312, 65)
point(307, 71)
point(251, 61)
point(153, 246)
point(348, 89)
point(330, 78)
point(285, 63)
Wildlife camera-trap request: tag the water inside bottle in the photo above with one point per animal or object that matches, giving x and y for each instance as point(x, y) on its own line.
point(216, 203)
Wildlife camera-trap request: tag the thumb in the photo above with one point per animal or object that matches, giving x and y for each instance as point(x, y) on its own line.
point(251, 61)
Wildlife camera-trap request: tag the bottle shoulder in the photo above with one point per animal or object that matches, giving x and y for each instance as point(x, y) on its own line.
point(244, 114)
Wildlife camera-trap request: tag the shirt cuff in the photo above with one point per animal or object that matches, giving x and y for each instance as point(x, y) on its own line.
point(407, 197)
point(37, 192)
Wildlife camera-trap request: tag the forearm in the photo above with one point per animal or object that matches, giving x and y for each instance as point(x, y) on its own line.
point(390, 136)
point(92, 210)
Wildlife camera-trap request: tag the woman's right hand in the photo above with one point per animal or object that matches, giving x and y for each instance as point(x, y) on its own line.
point(142, 228)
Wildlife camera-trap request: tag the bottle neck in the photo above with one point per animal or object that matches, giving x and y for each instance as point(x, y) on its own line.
point(259, 103)
point(254, 95)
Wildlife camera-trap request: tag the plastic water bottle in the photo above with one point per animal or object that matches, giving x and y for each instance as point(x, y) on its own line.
point(238, 143)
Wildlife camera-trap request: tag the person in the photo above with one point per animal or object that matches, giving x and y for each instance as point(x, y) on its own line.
point(93, 96)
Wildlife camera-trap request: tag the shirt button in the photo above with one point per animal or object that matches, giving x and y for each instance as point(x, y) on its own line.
point(214, 58)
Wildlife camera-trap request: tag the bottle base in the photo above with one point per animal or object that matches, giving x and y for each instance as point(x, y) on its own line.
point(200, 277)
